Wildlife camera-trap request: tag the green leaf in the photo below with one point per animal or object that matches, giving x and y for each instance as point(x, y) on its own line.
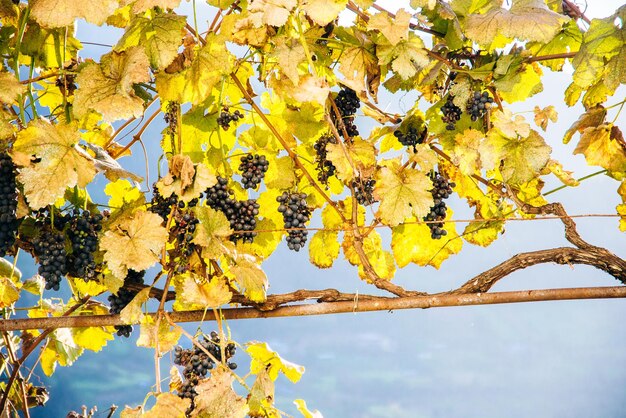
point(264, 358)
point(159, 34)
point(568, 40)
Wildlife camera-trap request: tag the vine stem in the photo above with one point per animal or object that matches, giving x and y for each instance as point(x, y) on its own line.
point(137, 136)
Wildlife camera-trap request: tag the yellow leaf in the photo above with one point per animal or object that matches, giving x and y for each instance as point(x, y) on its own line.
point(210, 294)
point(261, 397)
point(565, 176)
point(323, 11)
point(216, 398)
point(402, 193)
point(280, 174)
point(621, 210)
point(250, 278)
point(542, 116)
point(57, 13)
point(289, 54)
point(87, 287)
point(302, 408)
point(527, 20)
point(211, 232)
point(129, 412)
point(395, 30)
point(10, 88)
point(264, 358)
point(134, 242)
point(324, 248)
point(166, 335)
point(9, 270)
point(465, 152)
point(510, 127)
point(185, 180)
point(123, 193)
point(107, 87)
point(599, 148)
point(132, 313)
point(143, 5)
point(61, 349)
point(381, 261)
point(406, 58)
point(168, 405)
point(48, 361)
point(350, 159)
point(61, 165)
point(591, 118)
point(92, 338)
point(9, 293)
point(517, 86)
point(271, 12)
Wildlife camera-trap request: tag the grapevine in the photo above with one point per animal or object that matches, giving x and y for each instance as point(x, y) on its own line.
point(8, 204)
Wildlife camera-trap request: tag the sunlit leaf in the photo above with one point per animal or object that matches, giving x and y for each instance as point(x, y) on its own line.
point(216, 398)
point(402, 193)
point(264, 358)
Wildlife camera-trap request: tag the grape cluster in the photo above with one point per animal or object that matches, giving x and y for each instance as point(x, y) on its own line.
point(363, 189)
point(8, 204)
point(411, 138)
point(478, 104)
point(347, 102)
point(240, 214)
point(50, 253)
point(197, 363)
point(123, 297)
point(295, 214)
point(66, 84)
point(184, 228)
point(451, 113)
point(160, 205)
point(171, 117)
point(325, 168)
point(225, 118)
point(442, 189)
point(253, 168)
point(83, 234)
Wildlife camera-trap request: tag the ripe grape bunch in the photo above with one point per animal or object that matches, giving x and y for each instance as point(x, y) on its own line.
point(8, 204)
point(184, 229)
point(83, 234)
point(225, 118)
point(253, 168)
point(240, 214)
point(478, 104)
point(325, 168)
point(347, 102)
point(123, 297)
point(451, 113)
point(411, 138)
point(49, 248)
point(295, 214)
point(442, 189)
point(160, 205)
point(363, 189)
point(197, 363)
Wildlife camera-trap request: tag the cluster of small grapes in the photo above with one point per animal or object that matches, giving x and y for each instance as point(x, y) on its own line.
point(325, 168)
point(295, 214)
point(411, 138)
point(197, 363)
point(451, 113)
point(171, 117)
point(123, 297)
point(66, 84)
point(49, 248)
point(160, 205)
point(253, 168)
point(184, 228)
point(347, 102)
point(363, 189)
point(442, 189)
point(225, 118)
point(478, 104)
point(8, 204)
point(240, 214)
point(83, 234)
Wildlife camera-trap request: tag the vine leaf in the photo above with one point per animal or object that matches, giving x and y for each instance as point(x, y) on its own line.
point(201, 294)
point(264, 358)
point(61, 349)
point(58, 13)
point(159, 35)
point(9, 292)
point(134, 242)
point(542, 116)
point(406, 57)
point(600, 148)
point(167, 405)
point(61, 165)
point(216, 398)
point(412, 243)
point(250, 277)
point(323, 11)
point(591, 118)
point(380, 260)
point(289, 54)
point(124, 194)
point(211, 232)
point(271, 12)
point(261, 399)
point(510, 126)
point(132, 313)
point(324, 248)
point(92, 338)
point(143, 5)
point(395, 30)
point(185, 180)
point(358, 61)
point(351, 158)
point(10, 88)
point(519, 159)
point(280, 174)
point(565, 176)
point(402, 193)
point(527, 20)
point(107, 87)
point(302, 408)
point(621, 208)
point(465, 153)
point(166, 335)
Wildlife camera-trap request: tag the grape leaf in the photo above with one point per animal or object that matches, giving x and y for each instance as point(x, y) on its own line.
point(517, 86)
point(302, 408)
point(542, 116)
point(123, 194)
point(211, 232)
point(166, 335)
point(160, 36)
point(185, 180)
point(395, 30)
point(402, 193)
point(9, 270)
point(9, 293)
point(380, 260)
point(132, 313)
point(168, 405)
point(351, 158)
point(406, 57)
point(465, 151)
point(271, 12)
point(57, 13)
point(61, 349)
point(519, 159)
point(92, 338)
point(527, 20)
point(107, 87)
point(261, 398)
point(358, 62)
point(289, 54)
point(264, 358)
point(61, 165)
point(599, 148)
point(621, 208)
point(568, 40)
point(323, 11)
point(139, 6)
point(133, 242)
point(10, 88)
point(250, 277)
point(280, 174)
point(591, 118)
point(324, 248)
point(510, 127)
point(195, 293)
point(216, 398)
point(565, 176)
